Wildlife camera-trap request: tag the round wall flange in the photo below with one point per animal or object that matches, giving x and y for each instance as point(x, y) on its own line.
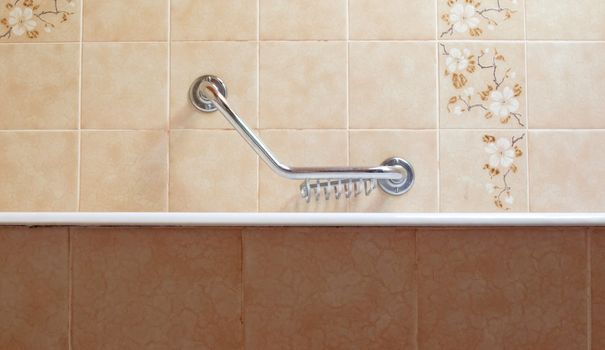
point(398, 187)
point(197, 98)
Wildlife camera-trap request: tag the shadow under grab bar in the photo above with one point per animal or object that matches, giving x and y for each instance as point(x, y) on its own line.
point(395, 176)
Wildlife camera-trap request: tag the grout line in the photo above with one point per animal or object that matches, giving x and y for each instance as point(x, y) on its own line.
point(589, 288)
point(347, 92)
point(168, 108)
point(79, 150)
point(528, 151)
point(243, 282)
point(309, 129)
point(69, 291)
point(258, 57)
point(554, 41)
point(438, 106)
point(416, 284)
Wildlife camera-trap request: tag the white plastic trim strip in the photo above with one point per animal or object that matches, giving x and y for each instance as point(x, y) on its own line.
point(302, 219)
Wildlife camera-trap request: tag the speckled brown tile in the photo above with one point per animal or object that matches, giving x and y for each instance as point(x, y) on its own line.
point(597, 266)
point(333, 288)
point(508, 288)
point(33, 288)
point(157, 288)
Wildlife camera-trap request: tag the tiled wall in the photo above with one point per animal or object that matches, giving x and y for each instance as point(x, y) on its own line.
point(302, 288)
point(498, 104)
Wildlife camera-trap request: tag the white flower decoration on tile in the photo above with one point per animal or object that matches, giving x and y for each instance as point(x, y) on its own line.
point(463, 17)
point(21, 20)
point(503, 103)
point(457, 60)
point(501, 153)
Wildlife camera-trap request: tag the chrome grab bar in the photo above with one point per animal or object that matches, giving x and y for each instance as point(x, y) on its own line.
point(395, 176)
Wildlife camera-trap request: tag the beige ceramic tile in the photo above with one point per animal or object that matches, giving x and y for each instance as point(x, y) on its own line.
point(371, 148)
point(124, 171)
point(40, 21)
point(481, 19)
point(214, 19)
point(162, 288)
point(300, 148)
point(39, 86)
point(39, 171)
point(125, 86)
point(583, 20)
point(212, 171)
point(134, 20)
point(392, 85)
point(597, 293)
point(303, 19)
point(566, 85)
point(34, 288)
point(303, 85)
point(235, 63)
point(482, 85)
point(483, 171)
point(392, 20)
point(507, 288)
point(330, 288)
point(566, 171)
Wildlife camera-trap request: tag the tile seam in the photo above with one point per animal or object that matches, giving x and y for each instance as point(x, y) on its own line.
point(69, 291)
point(589, 288)
point(168, 107)
point(79, 130)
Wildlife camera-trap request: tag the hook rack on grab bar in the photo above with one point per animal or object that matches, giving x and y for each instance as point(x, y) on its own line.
point(395, 176)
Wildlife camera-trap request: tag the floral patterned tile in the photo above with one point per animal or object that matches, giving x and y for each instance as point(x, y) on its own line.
point(483, 170)
point(39, 20)
point(481, 19)
point(482, 85)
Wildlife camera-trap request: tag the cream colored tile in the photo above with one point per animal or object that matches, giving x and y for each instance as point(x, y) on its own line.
point(565, 20)
point(39, 86)
point(566, 84)
point(392, 85)
point(482, 85)
point(125, 86)
point(371, 148)
point(235, 63)
point(303, 19)
point(481, 19)
point(39, 171)
point(566, 171)
point(212, 171)
point(392, 19)
point(134, 20)
point(40, 21)
point(483, 171)
point(124, 171)
point(214, 19)
point(303, 85)
point(300, 148)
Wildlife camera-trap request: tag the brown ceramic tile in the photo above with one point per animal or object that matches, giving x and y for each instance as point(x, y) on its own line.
point(482, 85)
point(371, 148)
point(566, 81)
point(481, 19)
point(566, 171)
point(300, 148)
point(483, 171)
point(34, 288)
point(392, 20)
point(40, 21)
point(39, 171)
point(39, 86)
point(214, 19)
point(583, 18)
point(334, 288)
point(150, 288)
point(134, 20)
point(234, 62)
point(303, 19)
point(597, 278)
point(125, 86)
point(392, 85)
point(124, 171)
point(212, 171)
point(508, 288)
point(303, 85)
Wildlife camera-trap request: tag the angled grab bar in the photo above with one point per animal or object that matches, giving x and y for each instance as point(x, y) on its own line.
point(395, 176)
